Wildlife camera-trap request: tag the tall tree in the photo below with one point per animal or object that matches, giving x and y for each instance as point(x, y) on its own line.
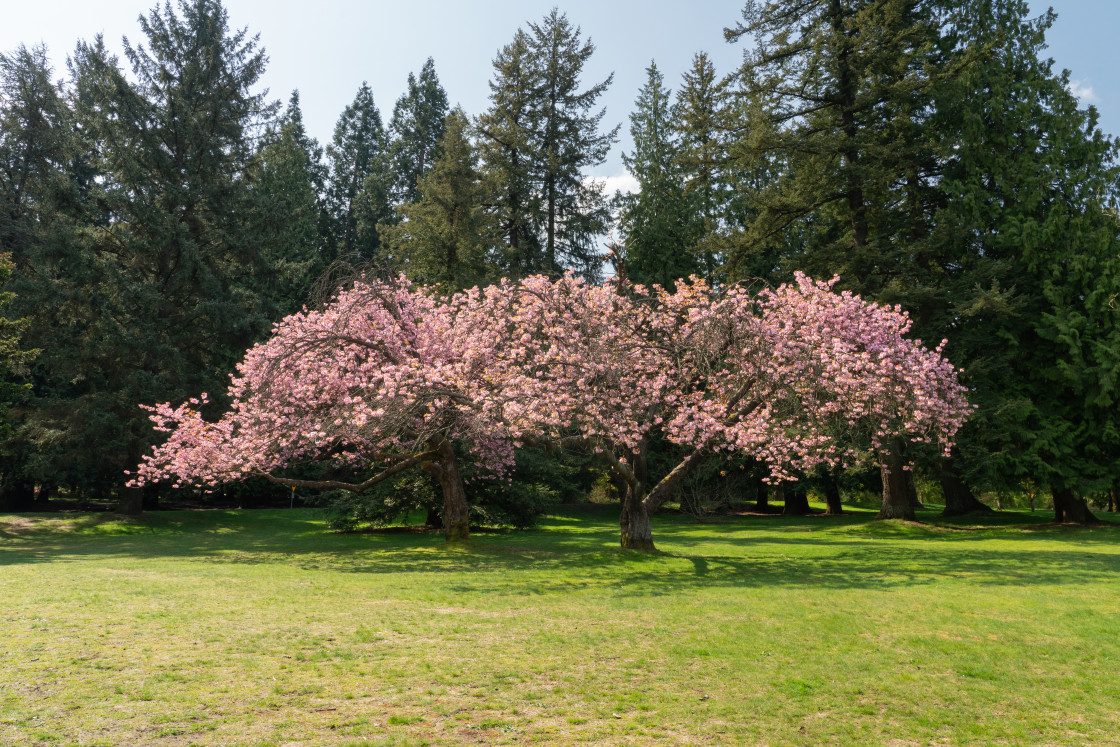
point(657, 222)
point(506, 147)
point(701, 156)
point(415, 131)
point(175, 298)
point(359, 177)
point(448, 236)
point(1032, 260)
point(837, 92)
point(568, 141)
point(287, 183)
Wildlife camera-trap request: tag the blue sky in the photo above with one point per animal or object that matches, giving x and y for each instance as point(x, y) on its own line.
point(327, 48)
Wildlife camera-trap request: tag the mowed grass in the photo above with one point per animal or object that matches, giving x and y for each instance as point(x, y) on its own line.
point(263, 628)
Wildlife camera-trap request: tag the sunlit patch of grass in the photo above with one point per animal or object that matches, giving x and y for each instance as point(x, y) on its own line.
point(261, 627)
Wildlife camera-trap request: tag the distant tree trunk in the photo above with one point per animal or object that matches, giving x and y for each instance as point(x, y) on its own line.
point(896, 496)
point(797, 501)
point(1069, 508)
point(44, 493)
point(132, 499)
point(433, 519)
point(912, 489)
point(761, 501)
point(959, 499)
point(17, 494)
point(832, 494)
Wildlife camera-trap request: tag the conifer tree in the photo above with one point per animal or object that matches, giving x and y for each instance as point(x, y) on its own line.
point(1031, 258)
point(287, 182)
point(657, 222)
point(175, 300)
point(358, 190)
point(415, 131)
point(574, 210)
point(448, 236)
point(835, 95)
point(506, 146)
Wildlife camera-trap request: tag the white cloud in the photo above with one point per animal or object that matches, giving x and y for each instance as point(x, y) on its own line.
point(1084, 92)
point(624, 182)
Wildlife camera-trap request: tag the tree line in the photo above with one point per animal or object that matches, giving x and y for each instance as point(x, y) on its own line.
point(161, 215)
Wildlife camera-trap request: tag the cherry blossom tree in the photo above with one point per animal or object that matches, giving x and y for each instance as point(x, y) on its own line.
point(374, 381)
point(796, 377)
point(391, 377)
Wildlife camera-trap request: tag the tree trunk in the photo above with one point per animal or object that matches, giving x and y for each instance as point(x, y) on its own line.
point(456, 511)
point(131, 502)
point(761, 501)
point(912, 489)
point(433, 519)
point(635, 522)
point(797, 501)
point(1069, 508)
point(896, 496)
point(832, 495)
point(16, 495)
point(959, 499)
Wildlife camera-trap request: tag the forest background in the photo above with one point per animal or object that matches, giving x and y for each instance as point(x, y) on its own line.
point(160, 211)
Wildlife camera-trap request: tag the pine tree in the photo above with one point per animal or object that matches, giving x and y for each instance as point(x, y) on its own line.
point(506, 146)
point(657, 222)
point(701, 157)
point(1031, 256)
point(574, 211)
point(358, 187)
point(174, 301)
point(287, 182)
point(448, 236)
point(415, 131)
point(831, 106)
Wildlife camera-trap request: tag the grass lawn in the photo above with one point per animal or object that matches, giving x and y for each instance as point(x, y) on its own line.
point(262, 628)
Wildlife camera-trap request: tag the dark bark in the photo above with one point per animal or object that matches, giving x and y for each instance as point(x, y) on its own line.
point(959, 499)
point(635, 522)
point(44, 493)
point(762, 499)
point(131, 502)
point(832, 495)
point(456, 510)
point(17, 494)
point(433, 519)
point(1069, 508)
point(912, 489)
point(896, 497)
point(796, 501)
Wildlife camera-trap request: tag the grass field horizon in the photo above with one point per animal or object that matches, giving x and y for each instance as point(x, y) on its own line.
point(261, 627)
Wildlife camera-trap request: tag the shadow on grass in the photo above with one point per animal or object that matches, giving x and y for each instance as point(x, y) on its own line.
point(572, 551)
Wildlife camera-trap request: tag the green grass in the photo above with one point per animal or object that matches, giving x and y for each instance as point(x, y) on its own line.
point(261, 628)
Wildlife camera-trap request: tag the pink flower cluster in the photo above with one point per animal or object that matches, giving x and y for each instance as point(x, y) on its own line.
point(795, 377)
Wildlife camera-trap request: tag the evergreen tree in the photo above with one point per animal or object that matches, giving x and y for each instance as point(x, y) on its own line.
point(358, 190)
point(833, 102)
point(287, 182)
point(41, 206)
point(701, 157)
point(574, 211)
point(657, 222)
point(1031, 257)
point(506, 134)
point(174, 301)
point(415, 131)
point(448, 236)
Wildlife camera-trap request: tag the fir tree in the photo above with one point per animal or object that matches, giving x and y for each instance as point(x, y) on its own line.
point(657, 222)
point(506, 133)
point(174, 301)
point(448, 236)
point(415, 131)
point(287, 182)
point(358, 188)
point(574, 211)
